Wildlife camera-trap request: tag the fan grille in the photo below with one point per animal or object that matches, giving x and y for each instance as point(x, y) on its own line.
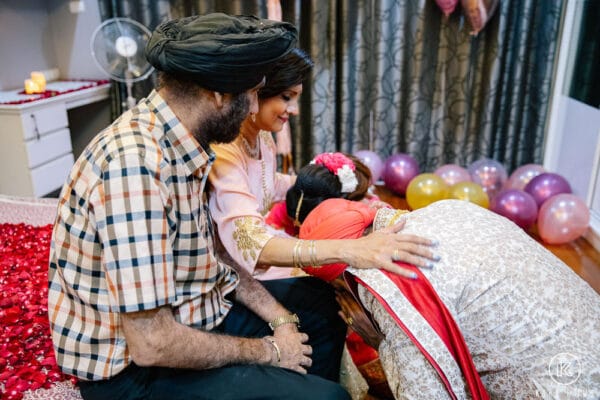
point(117, 47)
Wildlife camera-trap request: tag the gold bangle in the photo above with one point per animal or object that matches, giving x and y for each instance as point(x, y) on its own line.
point(294, 261)
point(298, 253)
point(284, 319)
point(273, 343)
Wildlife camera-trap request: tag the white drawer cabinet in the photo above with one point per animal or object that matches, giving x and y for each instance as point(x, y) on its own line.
point(35, 142)
point(48, 147)
point(38, 121)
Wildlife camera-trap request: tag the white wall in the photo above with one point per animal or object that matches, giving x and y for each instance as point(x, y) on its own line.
point(43, 34)
point(25, 41)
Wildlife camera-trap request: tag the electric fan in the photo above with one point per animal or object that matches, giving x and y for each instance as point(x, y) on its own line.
point(118, 49)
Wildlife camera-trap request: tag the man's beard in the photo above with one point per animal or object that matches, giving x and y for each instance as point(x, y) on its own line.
point(224, 127)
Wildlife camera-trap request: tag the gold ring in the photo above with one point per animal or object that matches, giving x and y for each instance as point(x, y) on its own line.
point(350, 321)
point(396, 256)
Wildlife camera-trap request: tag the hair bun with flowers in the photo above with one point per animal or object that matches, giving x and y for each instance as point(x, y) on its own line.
point(341, 166)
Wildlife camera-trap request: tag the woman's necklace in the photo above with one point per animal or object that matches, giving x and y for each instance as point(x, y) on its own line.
point(252, 152)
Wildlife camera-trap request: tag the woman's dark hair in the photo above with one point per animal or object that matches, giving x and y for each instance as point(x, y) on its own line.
point(289, 71)
point(315, 184)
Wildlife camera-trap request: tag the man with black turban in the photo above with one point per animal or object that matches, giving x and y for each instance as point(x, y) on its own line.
point(139, 306)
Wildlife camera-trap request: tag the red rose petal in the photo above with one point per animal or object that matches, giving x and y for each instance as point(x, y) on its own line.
point(26, 353)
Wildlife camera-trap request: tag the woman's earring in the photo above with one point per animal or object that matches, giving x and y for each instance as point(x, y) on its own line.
point(253, 116)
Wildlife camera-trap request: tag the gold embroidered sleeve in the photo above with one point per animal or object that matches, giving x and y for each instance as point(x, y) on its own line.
point(387, 217)
point(250, 237)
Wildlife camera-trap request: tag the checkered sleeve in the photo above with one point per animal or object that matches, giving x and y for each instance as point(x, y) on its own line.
point(134, 232)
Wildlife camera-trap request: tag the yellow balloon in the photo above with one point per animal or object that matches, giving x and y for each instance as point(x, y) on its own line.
point(425, 189)
point(471, 192)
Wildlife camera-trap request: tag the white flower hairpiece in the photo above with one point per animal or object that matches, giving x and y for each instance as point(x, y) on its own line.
point(341, 166)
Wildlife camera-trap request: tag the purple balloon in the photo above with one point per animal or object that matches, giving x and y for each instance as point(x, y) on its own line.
point(490, 174)
point(452, 173)
point(373, 161)
point(546, 185)
point(398, 171)
point(516, 205)
point(522, 175)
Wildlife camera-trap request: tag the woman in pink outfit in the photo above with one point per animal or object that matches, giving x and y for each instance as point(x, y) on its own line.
point(245, 184)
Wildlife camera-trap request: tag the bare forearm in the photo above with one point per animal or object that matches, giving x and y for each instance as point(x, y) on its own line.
point(190, 350)
point(280, 251)
point(254, 296)
point(379, 249)
point(155, 339)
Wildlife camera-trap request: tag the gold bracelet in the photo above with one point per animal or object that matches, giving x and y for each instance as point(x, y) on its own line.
point(313, 253)
point(315, 260)
point(284, 319)
point(295, 254)
point(273, 343)
point(298, 253)
point(294, 251)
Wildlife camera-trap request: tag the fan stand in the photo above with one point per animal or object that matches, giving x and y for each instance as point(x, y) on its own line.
point(130, 102)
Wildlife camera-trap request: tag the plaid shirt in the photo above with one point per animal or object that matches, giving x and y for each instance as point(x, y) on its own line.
point(133, 233)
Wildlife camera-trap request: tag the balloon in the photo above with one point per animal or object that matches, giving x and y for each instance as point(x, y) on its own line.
point(398, 171)
point(563, 218)
point(425, 189)
point(546, 185)
point(373, 161)
point(478, 13)
point(452, 173)
point(447, 6)
point(516, 205)
point(522, 175)
point(469, 191)
point(490, 174)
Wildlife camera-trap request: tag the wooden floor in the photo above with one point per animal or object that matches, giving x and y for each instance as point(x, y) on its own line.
point(580, 255)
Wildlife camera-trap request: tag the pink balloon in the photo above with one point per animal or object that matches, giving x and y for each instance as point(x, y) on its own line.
point(522, 175)
point(563, 218)
point(447, 6)
point(516, 205)
point(478, 13)
point(490, 174)
point(452, 173)
point(398, 171)
point(546, 185)
point(373, 161)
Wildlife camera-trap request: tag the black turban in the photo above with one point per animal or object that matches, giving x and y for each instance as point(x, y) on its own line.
point(224, 53)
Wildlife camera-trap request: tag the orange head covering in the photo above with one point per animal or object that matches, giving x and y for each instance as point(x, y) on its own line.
point(335, 219)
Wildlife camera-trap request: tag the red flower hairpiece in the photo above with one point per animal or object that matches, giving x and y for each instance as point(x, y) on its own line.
point(341, 166)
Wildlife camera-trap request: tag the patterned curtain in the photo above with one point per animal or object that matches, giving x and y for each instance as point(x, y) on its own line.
point(397, 76)
point(151, 13)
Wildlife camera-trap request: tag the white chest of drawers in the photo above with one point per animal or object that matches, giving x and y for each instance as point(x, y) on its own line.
point(35, 142)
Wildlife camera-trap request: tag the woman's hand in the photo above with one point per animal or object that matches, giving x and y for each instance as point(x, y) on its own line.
point(357, 320)
point(382, 248)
